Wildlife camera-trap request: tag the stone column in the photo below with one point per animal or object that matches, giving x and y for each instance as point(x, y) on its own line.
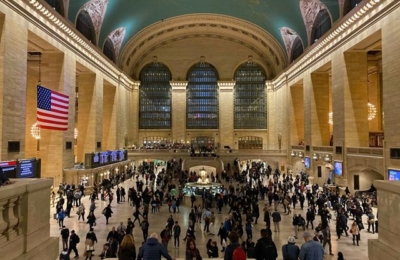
point(58, 74)
point(179, 110)
point(13, 71)
point(297, 114)
point(319, 109)
point(109, 139)
point(90, 113)
point(391, 90)
point(226, 113)
point(387, 245)
point(135, 117)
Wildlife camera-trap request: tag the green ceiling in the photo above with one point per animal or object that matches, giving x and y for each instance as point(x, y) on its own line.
point(135, 15)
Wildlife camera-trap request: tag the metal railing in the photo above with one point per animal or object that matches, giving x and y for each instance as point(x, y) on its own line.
point(375, 152)
point(328, 149)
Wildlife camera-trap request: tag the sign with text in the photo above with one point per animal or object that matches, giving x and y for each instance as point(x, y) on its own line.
point(98, 159)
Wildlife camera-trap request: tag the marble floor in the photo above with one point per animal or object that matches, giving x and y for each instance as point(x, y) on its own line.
point(157, 222)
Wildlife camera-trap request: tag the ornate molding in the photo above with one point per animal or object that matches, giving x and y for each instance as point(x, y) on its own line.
point(117, 36)
point(309, 10)
point(203, 25)
point(289, 36)
point(96, 10)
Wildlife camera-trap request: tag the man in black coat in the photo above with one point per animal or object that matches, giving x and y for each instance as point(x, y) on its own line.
point(73, 241)
point(64, 236)
point(265, 248)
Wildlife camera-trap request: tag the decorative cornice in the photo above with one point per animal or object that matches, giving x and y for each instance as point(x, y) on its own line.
point(226, 86)
point(57, 27)
point(361, 17)
point(204, 25)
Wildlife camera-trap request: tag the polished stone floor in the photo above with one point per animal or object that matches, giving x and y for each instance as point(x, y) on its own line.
point(157, 222)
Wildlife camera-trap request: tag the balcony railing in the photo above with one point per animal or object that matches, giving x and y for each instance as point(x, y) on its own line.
point(297, 147)
point(375, 152)
point(326, 149)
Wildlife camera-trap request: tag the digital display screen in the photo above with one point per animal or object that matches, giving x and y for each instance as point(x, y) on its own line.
point(394, 175)
point(27, 168)
point(338, 168)
point(9, 168)
point(307, 162)
point(98, 159)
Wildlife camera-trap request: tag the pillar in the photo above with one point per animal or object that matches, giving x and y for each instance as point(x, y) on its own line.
point(109, 131)
point(179, 111)
point(90, 113)
point(297, 114)
point(135, 118)
point(226, 113)
point(13, 70)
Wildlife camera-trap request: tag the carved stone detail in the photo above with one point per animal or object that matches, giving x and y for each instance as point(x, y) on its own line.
point(309, 10)
point(289, 36)
point(96, 10)
point(255, 37)
point(117, 36)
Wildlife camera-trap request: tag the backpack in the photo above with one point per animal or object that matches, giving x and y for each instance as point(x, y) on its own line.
point(78, 239)
point(239, 254)
point(143, 225)
point(104, 211)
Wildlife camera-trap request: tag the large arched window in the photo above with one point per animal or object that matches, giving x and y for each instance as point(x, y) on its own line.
point(57, 5)
point(85, 26)
point(250, 105)
point(349, 5)
point(322, 24)
point(250, 142)
point(108, 49)
point(155, 97)
point(202, 97)
point(297, 49)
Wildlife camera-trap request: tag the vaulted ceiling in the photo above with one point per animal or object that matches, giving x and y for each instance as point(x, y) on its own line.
point(126, 18)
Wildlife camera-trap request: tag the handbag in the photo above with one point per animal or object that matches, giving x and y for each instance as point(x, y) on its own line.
point(94, 224)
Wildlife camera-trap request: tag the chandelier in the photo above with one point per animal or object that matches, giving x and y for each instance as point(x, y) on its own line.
point(35, 131)
point(330, 118)
point(371, 111)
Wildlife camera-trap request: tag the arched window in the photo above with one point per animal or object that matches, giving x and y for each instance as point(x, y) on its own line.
point(322, 24)
point(85, 26)
point(202, 97)
point(109, 50)
point(154, 142)
point(201, 144)
point(250, 142)
point(155, 97)
point(57, 5)
point(297, 49)
point(349, 5)
point(250, 110)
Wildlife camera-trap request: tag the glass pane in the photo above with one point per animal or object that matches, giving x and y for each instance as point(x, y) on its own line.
point(155, 97)
point(297, 49)
point(322, 24)
point(108, 50)
point(202, 97)
point(250, 104)
point(85, 26)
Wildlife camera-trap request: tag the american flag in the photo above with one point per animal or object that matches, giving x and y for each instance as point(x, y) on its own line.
point(52, 109)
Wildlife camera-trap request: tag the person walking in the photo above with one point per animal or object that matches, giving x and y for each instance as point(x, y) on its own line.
point(64, 236)
point(223, 234)
point(310, 216)
point(326, 233)
point(107, 212)
point(91, 219)
point(153, 250)
point(61, 216)
point(145, 228)
point(90, 241)
point(295, 224)
point(73, 242)
point(311, 250)
point(265, 248)
point(276, 218)
point(267, 217)
point(81, 212)
point(290, 251)
point(177, 233)
point(127, 249)
point(355, 231)
point(191, 251)
point(165, 237)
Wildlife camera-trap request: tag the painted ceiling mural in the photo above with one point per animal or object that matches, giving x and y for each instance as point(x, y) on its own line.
point(135, 15)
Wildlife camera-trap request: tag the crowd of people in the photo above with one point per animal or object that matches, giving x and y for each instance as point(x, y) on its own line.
point(242, 193)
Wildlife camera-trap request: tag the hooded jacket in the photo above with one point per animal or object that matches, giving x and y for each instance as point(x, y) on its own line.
point(64, 255)
point(153, 250)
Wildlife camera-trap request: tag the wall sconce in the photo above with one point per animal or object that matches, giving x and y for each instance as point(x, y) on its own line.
point(75, 133)
point(327, 158)
point(301, 154)
point(293, 154)
point(315, 156)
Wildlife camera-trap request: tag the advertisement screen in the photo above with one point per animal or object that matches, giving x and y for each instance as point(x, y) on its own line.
point(338, 168)
point(9, 168)
point(26, 168)
point(394, 175)
point(307, 162)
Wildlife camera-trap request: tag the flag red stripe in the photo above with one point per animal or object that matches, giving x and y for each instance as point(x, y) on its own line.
point(60, 100)
point(53, 128)
point(56, 108)
point(58, 93)
point(51, 115)
point(42, 120)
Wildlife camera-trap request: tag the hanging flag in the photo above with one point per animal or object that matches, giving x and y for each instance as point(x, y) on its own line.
point(52, 109)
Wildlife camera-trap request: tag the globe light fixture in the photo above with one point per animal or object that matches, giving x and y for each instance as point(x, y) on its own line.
point(35, 131)
point(75, 133)
point(371, 111)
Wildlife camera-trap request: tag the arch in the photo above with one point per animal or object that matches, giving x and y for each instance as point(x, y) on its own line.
point(117, 36)
point(96, 10)
point(349, 5)
point(250, 142)
point(290, 37)
point(322, 24)
point(297, 49)
point(202, 97)
point(57, 5)
point(155, 97)
point(310, 10)
point(109, 50)
point(85, 26)
point(250, 110)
